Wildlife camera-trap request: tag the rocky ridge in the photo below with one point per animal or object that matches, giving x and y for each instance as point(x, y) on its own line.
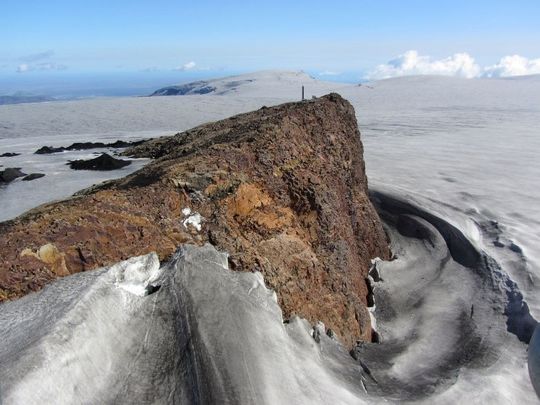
point(283, 190)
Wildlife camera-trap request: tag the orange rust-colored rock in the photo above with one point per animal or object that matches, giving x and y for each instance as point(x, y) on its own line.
point(282, 189)
point(50, 255)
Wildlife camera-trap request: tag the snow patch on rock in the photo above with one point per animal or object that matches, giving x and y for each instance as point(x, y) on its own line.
point(194, 219)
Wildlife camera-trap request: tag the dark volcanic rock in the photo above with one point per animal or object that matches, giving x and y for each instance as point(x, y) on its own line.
point(102, 162)
point(33, 176)
point(125, 144)
point(44, 150)
point(11, 173)
point(87, 145)
point(283, 190)
point(199, 87)
point(9, 154)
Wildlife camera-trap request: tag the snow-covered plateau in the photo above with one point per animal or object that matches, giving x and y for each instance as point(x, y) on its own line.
point(453, 169)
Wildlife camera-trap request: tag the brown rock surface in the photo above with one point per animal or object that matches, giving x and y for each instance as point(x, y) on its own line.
point(282, 189)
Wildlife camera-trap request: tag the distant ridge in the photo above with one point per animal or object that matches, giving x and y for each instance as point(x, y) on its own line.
point(262, 83)
point(198, 87)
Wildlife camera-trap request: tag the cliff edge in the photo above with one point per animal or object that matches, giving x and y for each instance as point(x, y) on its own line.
point(283, 190)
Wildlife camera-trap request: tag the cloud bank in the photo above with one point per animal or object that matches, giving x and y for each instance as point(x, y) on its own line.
point(513, 65)
point(458, 65)
point(411, 63)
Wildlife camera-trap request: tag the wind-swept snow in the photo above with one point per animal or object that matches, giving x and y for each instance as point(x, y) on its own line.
point(445, 310)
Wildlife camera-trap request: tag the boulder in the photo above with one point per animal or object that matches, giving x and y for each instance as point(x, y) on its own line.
point(33, 176)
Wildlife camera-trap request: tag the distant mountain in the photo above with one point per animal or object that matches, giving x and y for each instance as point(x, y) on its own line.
point(199, 87)
point(269, 83)
point(22, 98)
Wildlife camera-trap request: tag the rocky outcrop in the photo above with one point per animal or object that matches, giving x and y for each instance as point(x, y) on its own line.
point(9, 174)
point(46, 150)
point(283, 190)
point(102, 162)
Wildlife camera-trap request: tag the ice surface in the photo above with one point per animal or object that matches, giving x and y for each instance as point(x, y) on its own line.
point(60, 181)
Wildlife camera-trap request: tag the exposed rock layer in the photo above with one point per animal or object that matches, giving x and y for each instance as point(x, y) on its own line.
point(282, 189)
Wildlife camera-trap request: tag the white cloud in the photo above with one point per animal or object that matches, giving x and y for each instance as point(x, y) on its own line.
point(186, 66)
point(513, 65)
point(460, 65)
point(411, 63)
point(25, 67)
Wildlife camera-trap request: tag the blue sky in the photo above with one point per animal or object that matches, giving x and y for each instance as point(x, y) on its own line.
point(66, 37)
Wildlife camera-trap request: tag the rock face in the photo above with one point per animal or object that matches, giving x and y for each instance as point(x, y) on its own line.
point(282, 189)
